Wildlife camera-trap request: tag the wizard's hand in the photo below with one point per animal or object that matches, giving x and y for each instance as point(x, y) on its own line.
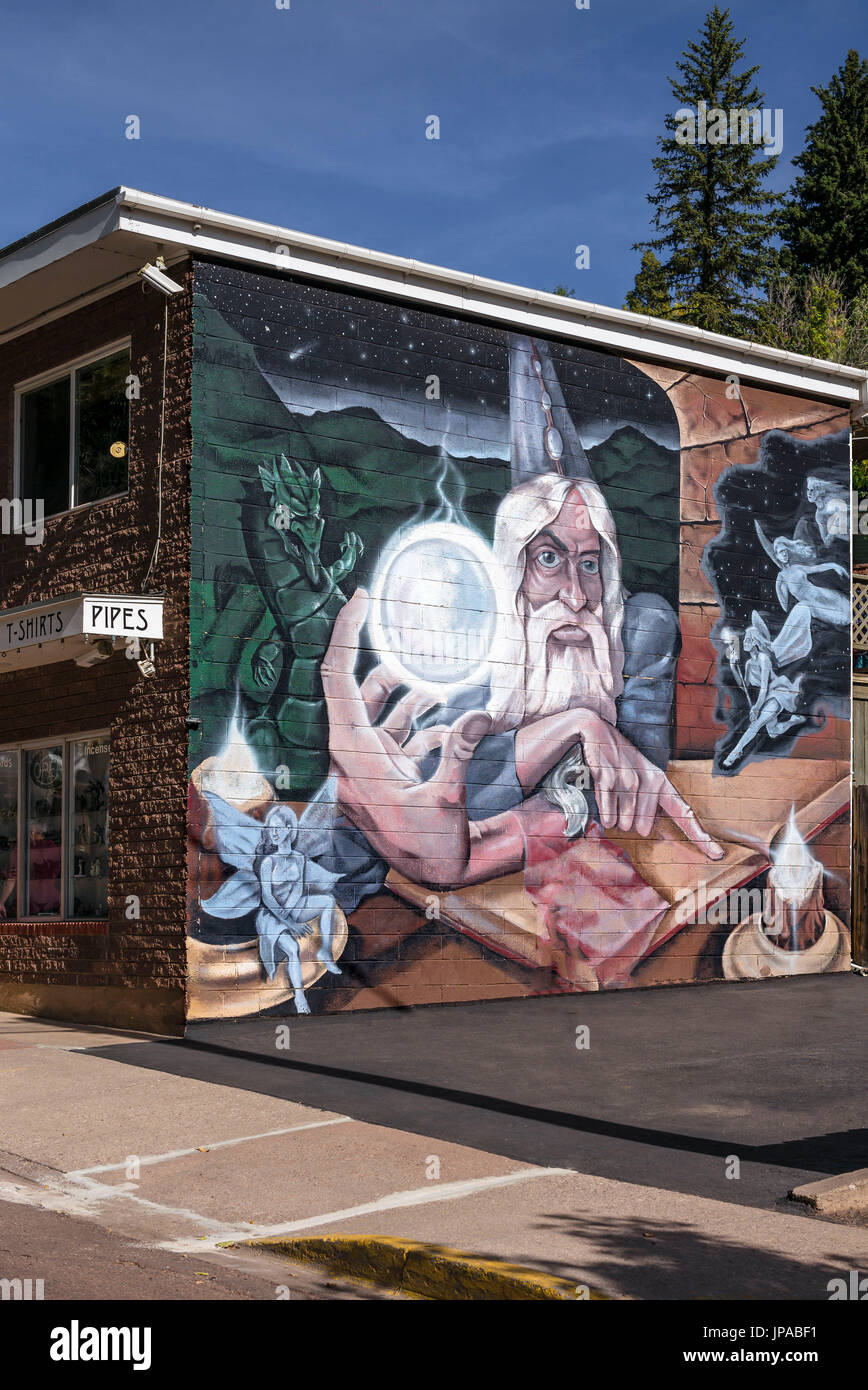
point(420, 828)
point(631, 790)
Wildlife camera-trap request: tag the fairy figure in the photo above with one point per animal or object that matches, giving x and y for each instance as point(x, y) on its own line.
point(731, 640)
point(773, 707)
point(287, 890)
point(796, 560)
point(831, 502)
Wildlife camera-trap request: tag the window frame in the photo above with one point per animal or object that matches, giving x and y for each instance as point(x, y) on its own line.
point(67, 839)
point(68, 372)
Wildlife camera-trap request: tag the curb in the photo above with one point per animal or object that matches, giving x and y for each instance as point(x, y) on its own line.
point(848, 1192)
point(417, 1269)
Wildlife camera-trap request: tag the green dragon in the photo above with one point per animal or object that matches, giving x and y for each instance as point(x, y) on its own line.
point(301, 598)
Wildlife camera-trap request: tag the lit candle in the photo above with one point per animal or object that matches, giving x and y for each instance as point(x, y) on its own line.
point(794, 917)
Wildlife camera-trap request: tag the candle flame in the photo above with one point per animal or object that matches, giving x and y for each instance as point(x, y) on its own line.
point(234, 774)
point(794, 871)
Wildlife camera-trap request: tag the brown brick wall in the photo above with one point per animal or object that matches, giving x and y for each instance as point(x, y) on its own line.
point(107, 546)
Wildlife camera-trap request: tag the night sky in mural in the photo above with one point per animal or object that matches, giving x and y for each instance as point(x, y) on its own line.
point(323, 341)
point(774, 497)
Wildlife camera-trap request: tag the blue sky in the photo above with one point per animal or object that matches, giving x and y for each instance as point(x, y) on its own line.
point(314, 116)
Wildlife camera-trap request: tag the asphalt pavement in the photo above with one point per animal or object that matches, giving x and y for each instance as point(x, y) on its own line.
point(478, 1127)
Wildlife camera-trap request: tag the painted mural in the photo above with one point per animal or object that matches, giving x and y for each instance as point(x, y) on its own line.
point(518, 667)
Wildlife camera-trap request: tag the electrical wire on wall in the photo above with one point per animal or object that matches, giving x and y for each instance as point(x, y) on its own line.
point(156, 551)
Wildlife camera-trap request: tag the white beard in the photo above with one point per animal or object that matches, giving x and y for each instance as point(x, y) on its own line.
point(560, 675)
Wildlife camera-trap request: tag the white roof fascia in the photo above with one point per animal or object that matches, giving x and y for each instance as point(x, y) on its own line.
point(59, 241)
point(186, 228)
point(242, 239)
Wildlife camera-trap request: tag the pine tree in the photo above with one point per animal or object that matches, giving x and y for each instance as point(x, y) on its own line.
point(826, 222)
point(650, 292)
point(714, 216)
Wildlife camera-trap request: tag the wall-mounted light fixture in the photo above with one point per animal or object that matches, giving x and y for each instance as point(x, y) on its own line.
point(156, 275)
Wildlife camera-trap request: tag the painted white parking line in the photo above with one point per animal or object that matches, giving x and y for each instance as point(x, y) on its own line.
point(96, 1194)
point(89, 1198)
point(148, 1160)
point(52, 1198)
point(417, 1197)
point(80, 1195)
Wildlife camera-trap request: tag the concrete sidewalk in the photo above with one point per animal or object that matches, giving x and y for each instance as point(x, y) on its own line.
point(181, 1164)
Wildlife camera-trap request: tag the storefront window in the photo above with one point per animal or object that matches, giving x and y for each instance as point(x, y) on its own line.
point(44, 829)
point(90, 772)
point(54, 830)
point(8, 834)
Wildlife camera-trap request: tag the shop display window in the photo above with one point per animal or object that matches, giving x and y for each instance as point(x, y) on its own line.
point(54, 829)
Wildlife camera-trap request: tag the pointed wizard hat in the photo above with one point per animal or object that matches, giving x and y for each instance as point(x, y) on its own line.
point(543, 438)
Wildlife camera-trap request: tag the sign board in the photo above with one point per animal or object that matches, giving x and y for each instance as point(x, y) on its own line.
point(58, 628)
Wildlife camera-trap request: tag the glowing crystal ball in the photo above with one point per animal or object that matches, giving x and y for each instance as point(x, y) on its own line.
point(434, 605)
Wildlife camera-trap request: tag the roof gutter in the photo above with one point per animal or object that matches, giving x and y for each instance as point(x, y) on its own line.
point(186, 228)
point(278, 248)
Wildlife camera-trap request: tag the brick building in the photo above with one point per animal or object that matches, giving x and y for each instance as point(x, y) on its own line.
point(376, 634)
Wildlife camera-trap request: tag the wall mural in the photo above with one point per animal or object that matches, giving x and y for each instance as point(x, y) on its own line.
point(438, 616)
point(783, 553)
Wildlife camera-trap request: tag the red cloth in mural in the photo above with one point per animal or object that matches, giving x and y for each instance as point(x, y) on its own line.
point(590, 896)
